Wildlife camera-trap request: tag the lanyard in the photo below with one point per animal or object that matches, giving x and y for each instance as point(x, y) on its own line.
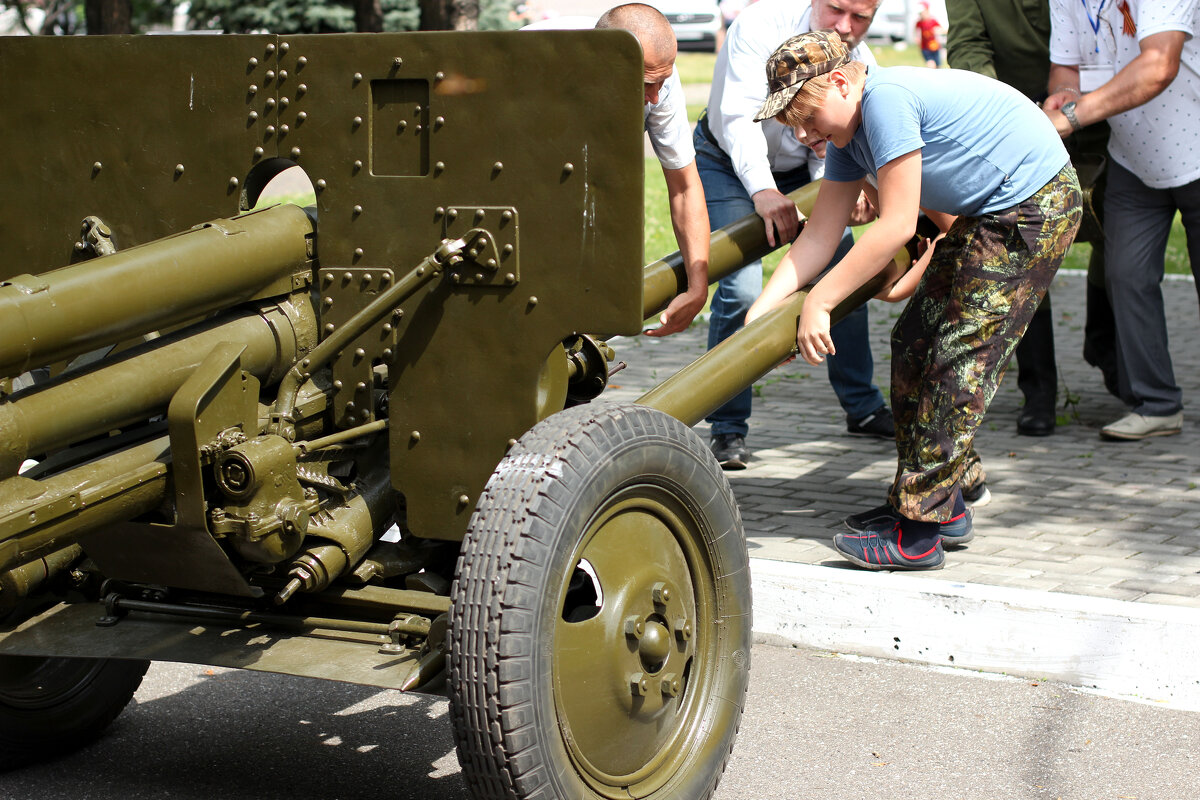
point(1095, 23)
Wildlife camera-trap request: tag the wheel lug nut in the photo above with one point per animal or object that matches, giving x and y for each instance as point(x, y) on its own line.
point(634, 627)
point(661, 593)
point(638, 684)
point(670, 684)
point(683, 629)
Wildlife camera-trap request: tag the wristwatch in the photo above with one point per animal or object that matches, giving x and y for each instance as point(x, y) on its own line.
point(1068, 110)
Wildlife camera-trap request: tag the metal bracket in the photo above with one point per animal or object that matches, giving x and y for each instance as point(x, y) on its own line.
point(491, 233)
point(95, 236)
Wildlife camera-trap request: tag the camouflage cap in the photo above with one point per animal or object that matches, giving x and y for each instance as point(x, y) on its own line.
point(797, 60)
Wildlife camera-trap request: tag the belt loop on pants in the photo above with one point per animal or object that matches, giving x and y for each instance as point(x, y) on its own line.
point(706, 131)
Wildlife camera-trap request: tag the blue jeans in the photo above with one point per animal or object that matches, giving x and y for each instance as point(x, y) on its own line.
point(850, 371)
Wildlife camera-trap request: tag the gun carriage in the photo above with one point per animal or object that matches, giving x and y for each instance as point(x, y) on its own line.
point(364, 440)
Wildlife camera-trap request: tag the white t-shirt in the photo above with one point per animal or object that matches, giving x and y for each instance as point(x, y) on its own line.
point(1157, 140)
point(666, 121)
point(739, 88)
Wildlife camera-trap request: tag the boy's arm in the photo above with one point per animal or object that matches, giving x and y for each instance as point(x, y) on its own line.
point(809, 254)
point(899, 283)
point(899, 194)
point(899, 203)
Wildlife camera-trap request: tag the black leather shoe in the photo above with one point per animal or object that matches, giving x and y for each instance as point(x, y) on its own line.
point(878, 424)
point(1036, 420)
point(730, 450)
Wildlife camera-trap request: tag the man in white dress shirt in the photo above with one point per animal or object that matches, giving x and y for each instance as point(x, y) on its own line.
point(748, 167)
point(671, 137)
point(1151, 99)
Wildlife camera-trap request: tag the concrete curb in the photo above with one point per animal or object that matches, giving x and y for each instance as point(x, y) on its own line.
point(1138, 651)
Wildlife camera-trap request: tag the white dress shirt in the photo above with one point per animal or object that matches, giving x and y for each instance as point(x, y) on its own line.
point(1156, 141)
point(739, 89)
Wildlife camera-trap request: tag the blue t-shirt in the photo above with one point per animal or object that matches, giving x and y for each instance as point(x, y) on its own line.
point(984, 146)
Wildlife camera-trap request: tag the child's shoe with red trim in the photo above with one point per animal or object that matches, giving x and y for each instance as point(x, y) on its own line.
point(881, 547)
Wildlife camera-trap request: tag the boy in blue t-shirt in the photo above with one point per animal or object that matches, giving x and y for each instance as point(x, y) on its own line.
point(988, 167)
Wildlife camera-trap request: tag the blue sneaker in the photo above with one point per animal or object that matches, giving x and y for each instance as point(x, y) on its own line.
point(958, 530)
point(881, 547)
point(859, 522)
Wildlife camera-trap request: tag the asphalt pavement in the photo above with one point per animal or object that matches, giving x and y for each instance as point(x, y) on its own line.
point(817, 725)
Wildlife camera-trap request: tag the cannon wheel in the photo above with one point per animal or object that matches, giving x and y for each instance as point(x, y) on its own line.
point(52, 705)
point(600, 626)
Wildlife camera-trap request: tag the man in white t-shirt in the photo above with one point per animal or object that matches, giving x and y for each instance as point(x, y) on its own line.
point(747, 167)
point(1151, 100)
point(671, 137)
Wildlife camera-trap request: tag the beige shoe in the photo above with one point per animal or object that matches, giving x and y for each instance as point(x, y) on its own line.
point(1135, 426)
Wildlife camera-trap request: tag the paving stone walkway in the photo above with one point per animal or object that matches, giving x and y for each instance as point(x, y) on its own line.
point(1069, 512)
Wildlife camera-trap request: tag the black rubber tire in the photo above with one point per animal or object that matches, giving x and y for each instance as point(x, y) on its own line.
point(50, 706)
point(518, 555)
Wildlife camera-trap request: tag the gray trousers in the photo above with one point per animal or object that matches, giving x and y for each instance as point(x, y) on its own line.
point(1135, 242)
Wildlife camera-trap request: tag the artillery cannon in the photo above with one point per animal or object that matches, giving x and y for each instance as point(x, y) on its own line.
point(362, 441)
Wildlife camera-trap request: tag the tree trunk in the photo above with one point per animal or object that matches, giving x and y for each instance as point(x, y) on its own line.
point(109, 16)
point(368, 16)
point(449, 15)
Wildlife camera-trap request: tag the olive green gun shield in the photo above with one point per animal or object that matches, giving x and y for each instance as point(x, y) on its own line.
point(152, 134)
point(532, 139)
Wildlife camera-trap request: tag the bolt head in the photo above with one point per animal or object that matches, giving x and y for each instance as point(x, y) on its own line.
point(661, 593)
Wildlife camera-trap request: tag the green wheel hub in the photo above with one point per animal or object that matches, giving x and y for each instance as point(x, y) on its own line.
point(623, 679)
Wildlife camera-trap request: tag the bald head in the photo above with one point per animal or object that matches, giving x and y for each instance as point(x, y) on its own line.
point(647, 24)
point(654, 34)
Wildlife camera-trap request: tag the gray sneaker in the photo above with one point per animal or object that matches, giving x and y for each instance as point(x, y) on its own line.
point(1132, 427)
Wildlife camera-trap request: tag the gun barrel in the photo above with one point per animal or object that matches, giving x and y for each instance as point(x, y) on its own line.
point(730, 249)
point(76, 406)
point(39, 517)
point(712, 379)
point(76, 309)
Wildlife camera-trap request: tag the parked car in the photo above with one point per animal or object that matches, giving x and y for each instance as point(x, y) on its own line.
point(891, 21)
point(696, 23)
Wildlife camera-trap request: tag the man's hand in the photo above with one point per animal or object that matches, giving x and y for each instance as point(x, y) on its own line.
point(680, 313)
point(780, 215)
point(1061, 124)
point(1055, 101)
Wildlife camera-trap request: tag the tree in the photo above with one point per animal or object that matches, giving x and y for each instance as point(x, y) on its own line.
point(70, 17)
point(109, 16)
point(328, 16)
point(368, 16)
point(449, 15)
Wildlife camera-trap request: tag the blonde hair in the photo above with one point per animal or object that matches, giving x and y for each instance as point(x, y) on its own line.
point(812, 94)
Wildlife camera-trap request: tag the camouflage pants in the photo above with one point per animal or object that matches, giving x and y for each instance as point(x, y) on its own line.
point(955, 337)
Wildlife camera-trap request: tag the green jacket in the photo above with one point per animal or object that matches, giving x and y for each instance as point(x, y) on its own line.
point(1004, 39)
